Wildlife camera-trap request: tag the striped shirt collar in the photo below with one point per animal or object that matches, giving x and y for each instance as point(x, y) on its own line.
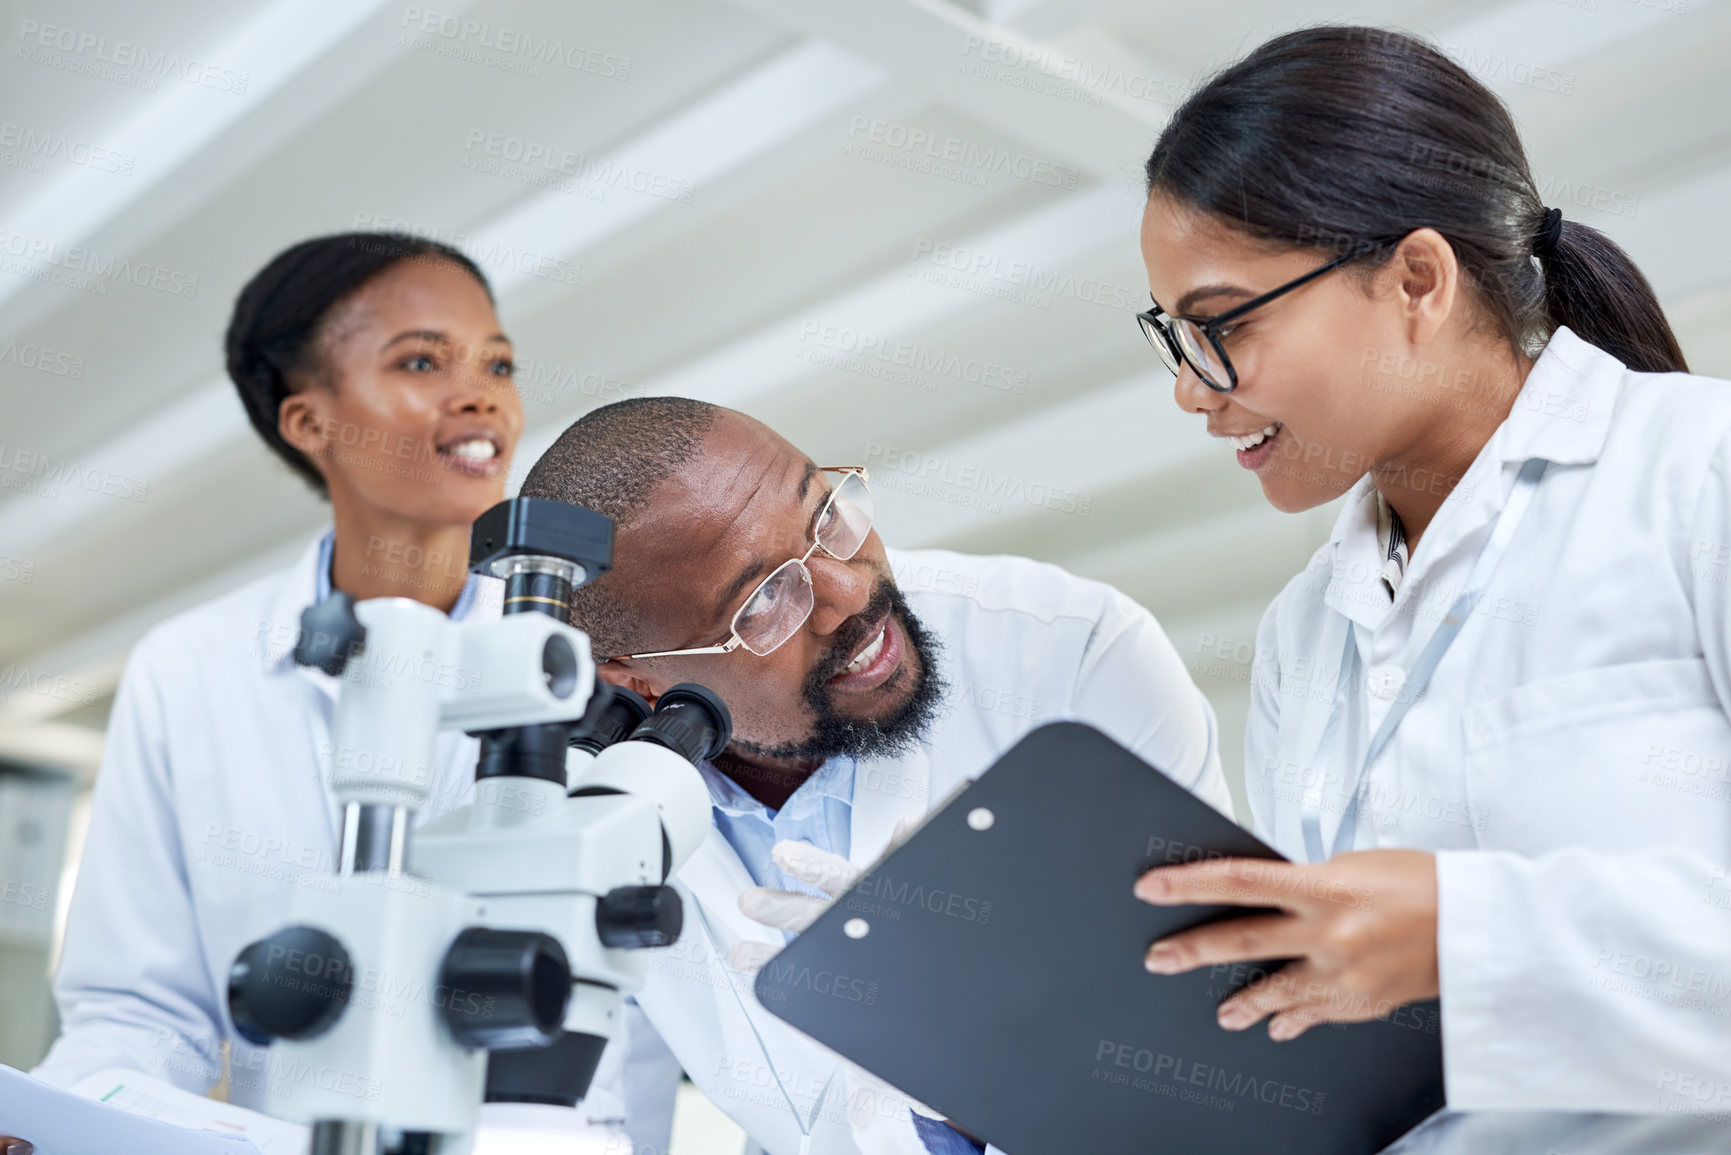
point(1391, 535)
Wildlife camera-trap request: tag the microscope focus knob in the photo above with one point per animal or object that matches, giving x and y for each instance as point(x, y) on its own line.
point(503, 989)
point(330, 634)
point(634, 917)
point(292, 985)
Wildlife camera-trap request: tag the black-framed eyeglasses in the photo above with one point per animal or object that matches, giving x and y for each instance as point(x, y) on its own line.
point(1196, 341)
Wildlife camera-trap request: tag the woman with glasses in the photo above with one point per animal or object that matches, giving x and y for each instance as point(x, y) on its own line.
point(1490, 717)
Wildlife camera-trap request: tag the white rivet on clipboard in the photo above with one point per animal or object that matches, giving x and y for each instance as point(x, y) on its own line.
point(980, 818)
point(856, 928)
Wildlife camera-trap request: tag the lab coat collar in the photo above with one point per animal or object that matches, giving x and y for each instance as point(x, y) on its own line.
point(1562, 414)
point(879, 794)
point(883, 791)
point(832, 779)
point(883, 794)
point(482, 598)
point(279, 632)
point(887, 790)
point(1355, 575)
point(1563, 411)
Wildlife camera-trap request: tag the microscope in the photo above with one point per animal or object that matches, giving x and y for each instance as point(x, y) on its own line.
point(488, 953)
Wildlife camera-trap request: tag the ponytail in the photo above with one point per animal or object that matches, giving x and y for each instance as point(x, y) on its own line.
point(1340, 138)
point(1593, 287)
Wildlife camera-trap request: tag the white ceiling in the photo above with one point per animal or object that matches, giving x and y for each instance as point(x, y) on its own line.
point(774, 237)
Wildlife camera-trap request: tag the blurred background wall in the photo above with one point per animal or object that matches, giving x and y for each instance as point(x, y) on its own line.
point(903, 232)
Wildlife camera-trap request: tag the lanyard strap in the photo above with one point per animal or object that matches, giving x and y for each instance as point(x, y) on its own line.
point(1419, 677)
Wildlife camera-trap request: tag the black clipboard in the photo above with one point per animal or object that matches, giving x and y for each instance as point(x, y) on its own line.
point(999, 979)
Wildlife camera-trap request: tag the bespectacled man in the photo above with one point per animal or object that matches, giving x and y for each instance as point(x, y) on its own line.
point(866, 684)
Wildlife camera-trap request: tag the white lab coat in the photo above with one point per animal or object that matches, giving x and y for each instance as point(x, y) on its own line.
point(1024, 643)
point(210, 807)
point(1570, 762)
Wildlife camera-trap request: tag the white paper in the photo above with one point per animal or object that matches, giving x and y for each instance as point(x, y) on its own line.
point(63, 1123)
point(120, 1112)
point(540, 1129)
point(143, 1095)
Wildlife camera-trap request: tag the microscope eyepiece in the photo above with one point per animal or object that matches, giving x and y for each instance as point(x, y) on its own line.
point(691, 720)
point(543, 549)
point(619, 711)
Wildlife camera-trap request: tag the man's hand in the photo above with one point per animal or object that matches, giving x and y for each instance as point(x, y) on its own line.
point(12, 1145)
point(786, 909)
point(1360, 927)
point(790, 911)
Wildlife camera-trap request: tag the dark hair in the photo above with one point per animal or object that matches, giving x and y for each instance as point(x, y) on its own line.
point(1343, 137)
point(277, 318)
point(610, 460)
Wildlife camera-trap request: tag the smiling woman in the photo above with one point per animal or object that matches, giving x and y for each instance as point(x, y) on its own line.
point(1359, 288)
point(375, 367)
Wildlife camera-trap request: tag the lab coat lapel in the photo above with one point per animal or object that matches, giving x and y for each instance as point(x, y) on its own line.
point(1314, 713)
point(1354, 563)
point(274, 643)
point(279, 630)
point(1465, 519)
point(1561, 415)
point(883, 793)
point(715, 878)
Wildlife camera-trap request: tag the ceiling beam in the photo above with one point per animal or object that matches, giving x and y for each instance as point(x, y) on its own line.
point(1049, 464)
point(77, 748)
point(1046, 242)
point(1042, 18)
point(1078, 111)
point(171, 128)
point(729, 130)
point(1053, 237)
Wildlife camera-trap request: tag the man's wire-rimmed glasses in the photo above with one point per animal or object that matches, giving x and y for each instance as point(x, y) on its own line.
point(783, 601)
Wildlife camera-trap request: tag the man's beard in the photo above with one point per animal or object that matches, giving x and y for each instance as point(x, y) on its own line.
point(834, 733)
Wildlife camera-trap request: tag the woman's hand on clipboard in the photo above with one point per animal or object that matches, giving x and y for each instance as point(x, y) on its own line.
point(1361, 929)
